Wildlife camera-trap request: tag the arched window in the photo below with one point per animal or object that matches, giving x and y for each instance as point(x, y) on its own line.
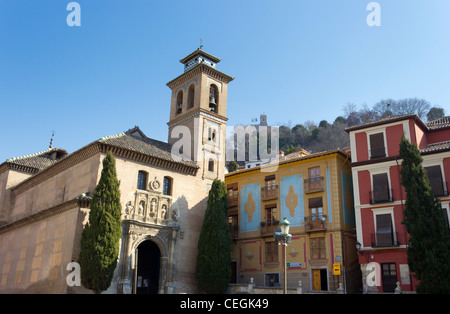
point(179, 101)
point(167, 186)
point(214, 97)
point(211, 165)
point(191, 93)
point(142, 180)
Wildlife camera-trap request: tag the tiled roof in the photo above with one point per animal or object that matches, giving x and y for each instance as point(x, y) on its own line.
point(380, 121)
point(293, 157)
point(39, 161)
point(439, 123)
point(436, 147)
point(136, 141)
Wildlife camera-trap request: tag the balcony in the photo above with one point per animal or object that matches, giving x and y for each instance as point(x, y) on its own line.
point(233, 200)
point(388, 239)
point(381, 196)
point(315, 223)
point(269, 192)
point(439, 187)
point(315, 184)
point(268, 227)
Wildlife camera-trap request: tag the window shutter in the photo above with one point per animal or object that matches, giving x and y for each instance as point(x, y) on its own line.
point(384, 230)
point(377, 145)
point(315, 202)
point(380, 182)
point(435, 177)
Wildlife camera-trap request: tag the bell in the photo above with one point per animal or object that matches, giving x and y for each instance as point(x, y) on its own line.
point(212, 103)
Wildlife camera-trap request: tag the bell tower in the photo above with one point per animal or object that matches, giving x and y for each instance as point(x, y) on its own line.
point(198, 113)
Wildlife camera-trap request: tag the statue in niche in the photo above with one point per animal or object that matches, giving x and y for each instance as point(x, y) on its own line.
point(163, 211)
point(174, 214)
point(128, 208)
point(291, 201)
point(141, 208)
point(250, 207)
point(153, 205)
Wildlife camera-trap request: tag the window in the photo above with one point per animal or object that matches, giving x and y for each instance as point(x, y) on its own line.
point(381, 192)
point(191, 93)
point(270, 182)
point(211, 165)
point(270, 190)
point(317, 248)
point(167, 186)
point(314, 181)
point(316, 208)
point(142, 180)
point(179, 102)
point(377, 149)
point(435, 178)
point(446, 217)
point(233, 194)
point(211, 134)
point(270, 213)
point(384, 232)
point(271, 251)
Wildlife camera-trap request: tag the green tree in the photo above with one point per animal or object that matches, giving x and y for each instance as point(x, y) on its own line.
point(100, 238)
point(232, 166)
point(429, 243)
point(435, 113)
point(213, 268)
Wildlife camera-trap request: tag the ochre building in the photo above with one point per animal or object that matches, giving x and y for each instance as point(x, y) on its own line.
point(314, 192)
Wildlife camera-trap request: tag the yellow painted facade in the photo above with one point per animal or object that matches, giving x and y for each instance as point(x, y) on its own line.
point(314, 193)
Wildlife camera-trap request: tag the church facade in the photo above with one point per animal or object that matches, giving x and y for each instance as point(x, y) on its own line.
point(45, 197)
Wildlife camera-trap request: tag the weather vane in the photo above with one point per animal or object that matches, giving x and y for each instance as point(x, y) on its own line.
point(201, 43)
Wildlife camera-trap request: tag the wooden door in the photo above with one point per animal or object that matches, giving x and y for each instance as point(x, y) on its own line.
point(389, 277)
point(316, 279)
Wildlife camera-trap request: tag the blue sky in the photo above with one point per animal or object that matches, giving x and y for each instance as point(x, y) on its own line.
point(294, 60)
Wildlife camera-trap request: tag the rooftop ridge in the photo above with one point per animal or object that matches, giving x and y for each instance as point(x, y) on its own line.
point(30, 155)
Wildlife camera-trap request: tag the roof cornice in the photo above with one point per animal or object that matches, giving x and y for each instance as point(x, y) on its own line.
point(200, 68)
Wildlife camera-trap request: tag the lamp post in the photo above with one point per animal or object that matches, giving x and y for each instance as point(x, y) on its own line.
point(284, 238)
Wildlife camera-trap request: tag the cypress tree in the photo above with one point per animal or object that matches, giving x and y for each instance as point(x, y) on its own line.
point(213, 268)
point(100, 238)
point(429, 243)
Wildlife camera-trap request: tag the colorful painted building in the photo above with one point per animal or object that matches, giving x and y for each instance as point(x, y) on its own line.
point(380, 197)
point(314, 192)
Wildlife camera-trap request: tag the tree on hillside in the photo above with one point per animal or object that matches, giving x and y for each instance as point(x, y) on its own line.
point(213, 268)
point(100, 237)
point(429, 243)
point(435, 113)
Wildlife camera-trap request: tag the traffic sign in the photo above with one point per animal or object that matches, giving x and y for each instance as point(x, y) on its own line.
point(336, 269)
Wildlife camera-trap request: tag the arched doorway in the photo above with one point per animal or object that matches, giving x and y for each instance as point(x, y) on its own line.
point(148, 268)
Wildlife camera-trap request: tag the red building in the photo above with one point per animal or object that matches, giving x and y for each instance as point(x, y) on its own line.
point(379, 196)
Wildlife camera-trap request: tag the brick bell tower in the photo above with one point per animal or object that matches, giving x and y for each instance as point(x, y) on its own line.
point(198, 113)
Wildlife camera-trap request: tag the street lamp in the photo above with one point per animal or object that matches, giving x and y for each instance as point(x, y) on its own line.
point(284, 238)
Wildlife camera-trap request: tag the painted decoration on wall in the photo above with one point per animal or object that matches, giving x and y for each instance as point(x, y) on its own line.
point(291, 192)
point(250, 257)
point(347, 199)
point(250, 207)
